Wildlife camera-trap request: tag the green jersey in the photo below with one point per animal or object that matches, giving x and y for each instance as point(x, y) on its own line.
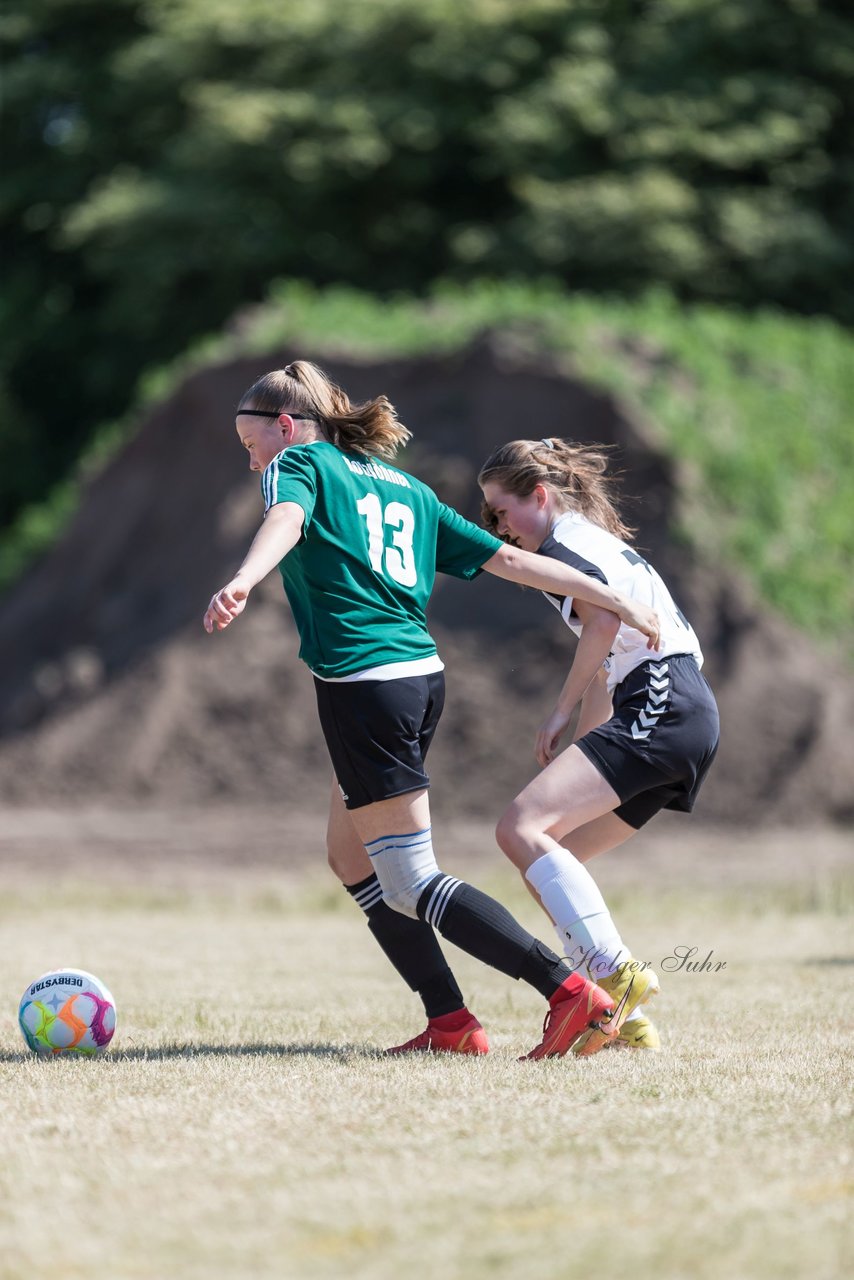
point(373, 540)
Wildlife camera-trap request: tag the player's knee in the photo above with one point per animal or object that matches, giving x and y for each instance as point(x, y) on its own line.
point(507, 831)
point(404, 865)
point(511, 837)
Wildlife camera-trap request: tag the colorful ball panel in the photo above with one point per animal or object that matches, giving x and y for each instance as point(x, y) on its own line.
point(67, 1011)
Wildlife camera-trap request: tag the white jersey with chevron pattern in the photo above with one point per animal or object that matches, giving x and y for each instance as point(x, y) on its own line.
point(588, 547)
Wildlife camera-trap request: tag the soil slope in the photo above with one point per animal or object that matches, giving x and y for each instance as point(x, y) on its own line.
point(110, 690)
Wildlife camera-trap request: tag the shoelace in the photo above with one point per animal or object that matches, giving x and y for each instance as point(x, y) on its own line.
point(551, 1012)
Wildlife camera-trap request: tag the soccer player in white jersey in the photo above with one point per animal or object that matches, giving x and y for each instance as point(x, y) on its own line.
point(647, 729)
point(358, 544)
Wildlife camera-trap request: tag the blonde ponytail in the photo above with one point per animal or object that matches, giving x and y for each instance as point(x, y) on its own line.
point(371, 428)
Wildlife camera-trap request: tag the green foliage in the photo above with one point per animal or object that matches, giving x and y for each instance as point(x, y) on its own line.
point(168, 158)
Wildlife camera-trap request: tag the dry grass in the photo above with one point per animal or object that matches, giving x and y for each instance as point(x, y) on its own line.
point(244, 1124)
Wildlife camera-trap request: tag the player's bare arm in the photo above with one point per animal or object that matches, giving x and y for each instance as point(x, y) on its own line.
point(530, 570)
point(278, 535)
point(597, 705)
point(599, 627)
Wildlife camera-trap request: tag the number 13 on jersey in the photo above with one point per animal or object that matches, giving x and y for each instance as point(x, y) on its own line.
point(397, 560)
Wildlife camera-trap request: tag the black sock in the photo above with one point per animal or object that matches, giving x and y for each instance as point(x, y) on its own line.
point(544, 970)
point(479, 925)
point(413, 949)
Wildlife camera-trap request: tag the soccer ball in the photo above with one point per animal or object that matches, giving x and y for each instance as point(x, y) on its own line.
point(67, 1011)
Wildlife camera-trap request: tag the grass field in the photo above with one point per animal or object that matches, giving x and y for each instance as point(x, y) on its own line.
point(244, 1124)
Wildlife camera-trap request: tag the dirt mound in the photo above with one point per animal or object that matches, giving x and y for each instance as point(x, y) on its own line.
point(109, 688)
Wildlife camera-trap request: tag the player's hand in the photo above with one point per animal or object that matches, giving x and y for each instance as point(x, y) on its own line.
point(643, 619)
point(549, 735)
point(225, 606)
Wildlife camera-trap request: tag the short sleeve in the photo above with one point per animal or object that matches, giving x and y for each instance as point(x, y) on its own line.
point(291, 477)
point(462, 548)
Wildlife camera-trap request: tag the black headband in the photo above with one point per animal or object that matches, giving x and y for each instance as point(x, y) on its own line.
point(273, 413)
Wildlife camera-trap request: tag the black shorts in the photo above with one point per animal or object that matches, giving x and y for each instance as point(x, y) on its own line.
point(378, 733)
point(658, 745)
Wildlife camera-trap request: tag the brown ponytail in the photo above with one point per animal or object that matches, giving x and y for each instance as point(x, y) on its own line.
point(371, 428)
point(574, 472)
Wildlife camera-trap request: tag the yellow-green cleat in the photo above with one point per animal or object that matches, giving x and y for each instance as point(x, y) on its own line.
point(631, 984)
point(639, 1033)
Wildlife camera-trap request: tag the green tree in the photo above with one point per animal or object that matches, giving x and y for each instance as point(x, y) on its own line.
point(166, 159)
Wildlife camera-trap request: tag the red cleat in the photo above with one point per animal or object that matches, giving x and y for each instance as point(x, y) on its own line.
point(576, 1006)
point(469, 1037)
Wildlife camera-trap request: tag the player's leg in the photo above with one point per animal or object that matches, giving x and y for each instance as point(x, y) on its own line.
point(588, 841)
point(410, 945)
point(662, 766)
point(397, 835)
point(378, 733)
point(568, 795)
point(599, 836)
point(537, 832)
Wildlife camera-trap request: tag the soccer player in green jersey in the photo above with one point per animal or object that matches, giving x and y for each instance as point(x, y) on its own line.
point(358, 544)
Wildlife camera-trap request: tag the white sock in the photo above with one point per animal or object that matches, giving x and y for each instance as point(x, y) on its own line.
point(584, 926)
